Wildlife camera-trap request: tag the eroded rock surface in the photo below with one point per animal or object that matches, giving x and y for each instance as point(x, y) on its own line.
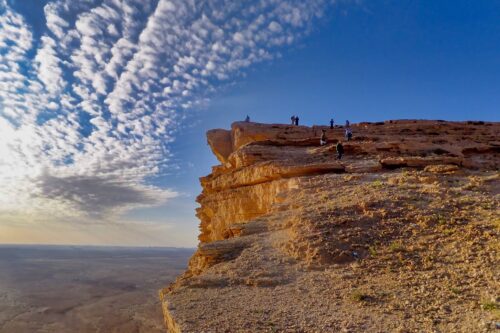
point(401, 235)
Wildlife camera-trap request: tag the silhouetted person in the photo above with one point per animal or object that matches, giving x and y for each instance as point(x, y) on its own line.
point(331, 123)
point(340, 150)
point(347, 123)
point(323, 139)
point(293, 120)
point(348, 134)
point(297, 120)
point(247, 119)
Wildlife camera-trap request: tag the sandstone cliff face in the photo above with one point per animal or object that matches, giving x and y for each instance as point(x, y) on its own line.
point(399, 234)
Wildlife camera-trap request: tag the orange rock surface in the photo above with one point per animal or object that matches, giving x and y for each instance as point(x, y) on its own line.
point(399, 235)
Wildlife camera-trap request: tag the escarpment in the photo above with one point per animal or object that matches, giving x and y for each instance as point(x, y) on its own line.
point(401, 234)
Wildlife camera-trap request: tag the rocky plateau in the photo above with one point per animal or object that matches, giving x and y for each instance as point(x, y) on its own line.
point(400, 235)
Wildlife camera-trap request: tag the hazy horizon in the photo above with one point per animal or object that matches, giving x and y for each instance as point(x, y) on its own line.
point(14, 245)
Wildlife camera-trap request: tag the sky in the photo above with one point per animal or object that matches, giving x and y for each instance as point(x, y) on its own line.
point(104, 104)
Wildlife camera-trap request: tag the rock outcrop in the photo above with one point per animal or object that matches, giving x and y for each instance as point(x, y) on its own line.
point(399, 235)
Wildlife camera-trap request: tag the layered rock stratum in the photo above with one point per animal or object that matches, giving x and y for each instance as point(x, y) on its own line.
point(401, 235)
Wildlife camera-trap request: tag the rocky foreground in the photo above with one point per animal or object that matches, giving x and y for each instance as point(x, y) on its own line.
point(401, 235)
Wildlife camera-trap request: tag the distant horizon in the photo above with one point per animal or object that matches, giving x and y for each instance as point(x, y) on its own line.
point(94, 246)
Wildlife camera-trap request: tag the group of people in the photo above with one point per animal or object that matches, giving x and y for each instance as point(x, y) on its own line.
point(339, 147)
point(323, 140)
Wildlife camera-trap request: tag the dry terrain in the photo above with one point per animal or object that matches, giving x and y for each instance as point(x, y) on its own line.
point(401, 235)
point(84, 289)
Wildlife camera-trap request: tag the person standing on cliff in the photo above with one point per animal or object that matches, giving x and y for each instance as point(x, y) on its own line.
point(247, 119)
point(323, 139)
point(297, 120)
point(331, 123)
point(293, 120)
point(348, 134)
point(340, 150)
point(347, 123)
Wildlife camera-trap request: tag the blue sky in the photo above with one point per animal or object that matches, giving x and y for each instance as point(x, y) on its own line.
point(105, 137)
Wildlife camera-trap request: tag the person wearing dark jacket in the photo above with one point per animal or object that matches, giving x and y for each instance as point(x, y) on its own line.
point(297, 120)
point(340, 150)
point(331, 123)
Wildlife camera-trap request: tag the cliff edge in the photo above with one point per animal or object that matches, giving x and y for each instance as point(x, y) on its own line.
point(400, 235)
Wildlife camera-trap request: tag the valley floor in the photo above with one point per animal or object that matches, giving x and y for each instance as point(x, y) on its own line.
point(84, 289)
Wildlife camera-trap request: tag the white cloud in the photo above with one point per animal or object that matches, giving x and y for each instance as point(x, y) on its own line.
point(238, 37)
point(55, 22)
point(48, 63)
point(275, 27)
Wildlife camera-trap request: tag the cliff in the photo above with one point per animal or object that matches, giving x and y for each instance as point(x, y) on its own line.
point(400, 235)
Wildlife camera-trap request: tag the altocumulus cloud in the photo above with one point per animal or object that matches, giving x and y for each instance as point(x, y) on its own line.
point(89, 105)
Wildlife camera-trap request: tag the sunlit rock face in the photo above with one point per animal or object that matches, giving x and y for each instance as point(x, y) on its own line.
point(398, 234)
